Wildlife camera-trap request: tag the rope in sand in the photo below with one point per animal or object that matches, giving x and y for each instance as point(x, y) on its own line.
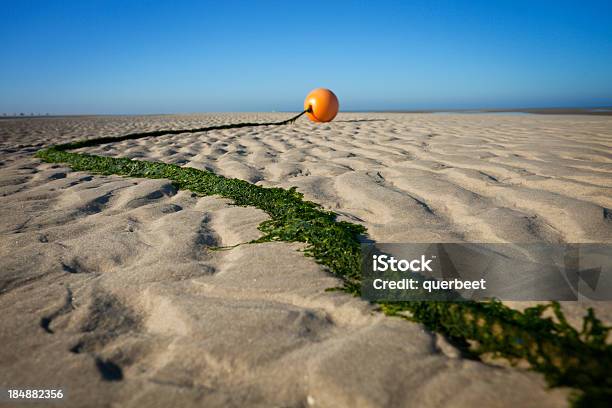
point(155, 133)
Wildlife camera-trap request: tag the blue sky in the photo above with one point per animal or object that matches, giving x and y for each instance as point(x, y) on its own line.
point(179, 56)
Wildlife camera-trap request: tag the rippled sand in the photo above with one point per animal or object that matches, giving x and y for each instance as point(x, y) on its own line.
point(108, 288)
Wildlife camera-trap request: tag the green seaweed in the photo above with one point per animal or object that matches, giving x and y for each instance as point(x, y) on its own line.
point(580, 359)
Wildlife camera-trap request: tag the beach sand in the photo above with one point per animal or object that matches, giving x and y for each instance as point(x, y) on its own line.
point(108, 288)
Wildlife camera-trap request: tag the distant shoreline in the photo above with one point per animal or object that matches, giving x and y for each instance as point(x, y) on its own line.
point(600, 111)
point(597, 111)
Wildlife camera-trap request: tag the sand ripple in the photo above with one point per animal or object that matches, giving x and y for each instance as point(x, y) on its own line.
point(109, 287)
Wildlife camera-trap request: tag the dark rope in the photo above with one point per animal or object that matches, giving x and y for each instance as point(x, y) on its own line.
point(292, 120)
point(140, 135)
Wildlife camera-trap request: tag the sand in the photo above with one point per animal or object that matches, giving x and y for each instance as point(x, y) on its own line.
point(109, 289)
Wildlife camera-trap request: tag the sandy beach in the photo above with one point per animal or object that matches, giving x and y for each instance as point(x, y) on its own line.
point(109, 289)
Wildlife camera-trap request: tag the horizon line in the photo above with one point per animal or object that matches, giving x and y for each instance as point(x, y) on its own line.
point(575, 110)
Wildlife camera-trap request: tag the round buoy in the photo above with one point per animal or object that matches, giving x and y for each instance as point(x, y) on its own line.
point(321, 105)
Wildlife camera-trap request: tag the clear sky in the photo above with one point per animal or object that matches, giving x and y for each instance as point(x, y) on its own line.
point(193, 56)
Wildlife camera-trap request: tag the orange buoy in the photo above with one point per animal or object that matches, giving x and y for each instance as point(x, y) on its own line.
point(321, 105)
